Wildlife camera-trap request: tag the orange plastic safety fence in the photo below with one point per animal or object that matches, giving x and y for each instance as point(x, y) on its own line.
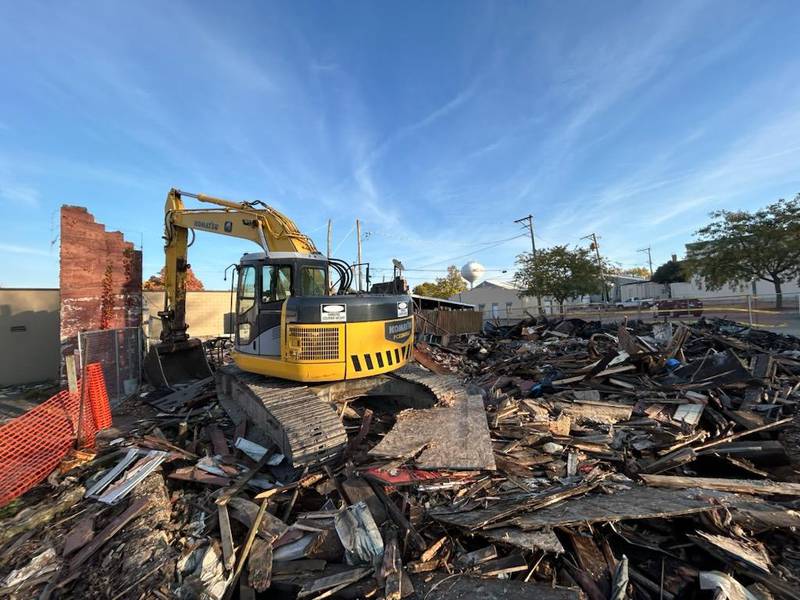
point(98, 396)
point(33, 444)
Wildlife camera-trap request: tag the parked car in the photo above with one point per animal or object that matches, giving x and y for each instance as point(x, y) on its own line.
point(635, 303)
point(679, 307)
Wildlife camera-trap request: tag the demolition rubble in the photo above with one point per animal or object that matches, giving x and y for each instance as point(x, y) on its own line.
point(631, 461)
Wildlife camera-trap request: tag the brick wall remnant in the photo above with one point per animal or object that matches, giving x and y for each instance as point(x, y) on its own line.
point(100, 277)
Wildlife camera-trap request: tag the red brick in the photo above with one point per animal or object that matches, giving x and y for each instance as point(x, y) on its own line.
point(88, 251)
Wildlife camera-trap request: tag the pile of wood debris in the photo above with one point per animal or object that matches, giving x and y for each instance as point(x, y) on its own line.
point(639, 461)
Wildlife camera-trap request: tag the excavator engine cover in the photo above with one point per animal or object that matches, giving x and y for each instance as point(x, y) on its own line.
point(177, 363)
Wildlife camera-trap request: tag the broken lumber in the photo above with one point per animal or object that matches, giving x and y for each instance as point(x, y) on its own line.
point(742, 486)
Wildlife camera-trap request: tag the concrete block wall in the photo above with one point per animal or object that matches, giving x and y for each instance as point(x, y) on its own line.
point(29, 335)
point(205, 312)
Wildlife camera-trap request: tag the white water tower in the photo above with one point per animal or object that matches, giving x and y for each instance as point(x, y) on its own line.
point(472, 271)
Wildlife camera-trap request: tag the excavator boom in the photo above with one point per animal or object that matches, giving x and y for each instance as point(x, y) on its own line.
point(178, 358)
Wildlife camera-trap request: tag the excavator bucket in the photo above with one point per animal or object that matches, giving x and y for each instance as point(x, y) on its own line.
point(180, 363)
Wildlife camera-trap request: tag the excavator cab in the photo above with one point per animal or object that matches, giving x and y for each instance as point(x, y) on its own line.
point(291, 321)
point(287, 325)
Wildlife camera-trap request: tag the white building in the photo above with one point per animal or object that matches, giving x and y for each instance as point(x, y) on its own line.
point(696, 289)
point(498, 300)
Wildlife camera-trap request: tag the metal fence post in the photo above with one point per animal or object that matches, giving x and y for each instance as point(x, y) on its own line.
point(116, 359)
point(750, 309)
point(138, 356)
point(80, 352)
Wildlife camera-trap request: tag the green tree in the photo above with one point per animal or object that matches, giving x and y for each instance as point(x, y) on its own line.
point(558, 272)
point(672, 271)
point(443, 287)
point(738, 247)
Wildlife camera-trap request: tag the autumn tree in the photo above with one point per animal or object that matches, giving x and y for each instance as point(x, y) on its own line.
point(559, 272)
point(642, 272)
point(443, 287)
point(156, 282)
point(738, 247)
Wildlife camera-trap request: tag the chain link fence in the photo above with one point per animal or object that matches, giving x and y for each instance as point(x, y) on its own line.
point(119, 352)
point(762, 311)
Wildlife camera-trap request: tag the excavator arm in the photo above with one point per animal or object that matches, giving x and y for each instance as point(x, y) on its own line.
point(254, 221)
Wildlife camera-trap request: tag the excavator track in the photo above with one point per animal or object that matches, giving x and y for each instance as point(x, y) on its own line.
point(305, 428)
point(446, 389)
point(302, 422)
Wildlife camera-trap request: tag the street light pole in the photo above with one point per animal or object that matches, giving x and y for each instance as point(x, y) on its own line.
point(529, 221)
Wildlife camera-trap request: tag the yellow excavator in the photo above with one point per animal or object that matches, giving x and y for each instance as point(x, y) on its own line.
point(291, 333)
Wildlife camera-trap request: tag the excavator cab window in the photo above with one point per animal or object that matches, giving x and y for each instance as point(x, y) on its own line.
point(276, 283)
point(247, 289)
point(312, 281)
point(246, 302)
point(283, 282)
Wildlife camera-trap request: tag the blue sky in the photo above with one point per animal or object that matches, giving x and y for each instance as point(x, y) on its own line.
point(436, 123)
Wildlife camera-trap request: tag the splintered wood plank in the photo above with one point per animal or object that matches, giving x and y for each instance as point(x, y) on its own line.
point(433, 549)
point(244, 511)
point(504, 509)
point(597, 412)
point(749, 552)
point(634, 503)
point(392, 569)
point(476, 557)
point(490, 589)
point(729, 438)
point(357, 490)
point(455, 437)
point(259, 565)
point(513, 563)
point(742, 486)
point(79, 536)
point(589, 557)
point(228, 553)
point(338, 580)
point(218, 440)
point(544, 541)
point(103, 536)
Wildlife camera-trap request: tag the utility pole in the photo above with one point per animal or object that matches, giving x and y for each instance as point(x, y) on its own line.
point(596, 248)
point(358, 260)
point(330, 244)
point(529, 220)
point(649, 259)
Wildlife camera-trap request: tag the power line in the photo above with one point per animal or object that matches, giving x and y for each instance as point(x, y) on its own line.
point(529, 220)
point(649, 259)
point(342, 241)
point(434, 270)
point(485, 247)
point(596, 247)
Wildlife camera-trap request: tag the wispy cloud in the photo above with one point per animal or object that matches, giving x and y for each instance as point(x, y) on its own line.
point(438, 113)
point(19, 194)
point(31, 250)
